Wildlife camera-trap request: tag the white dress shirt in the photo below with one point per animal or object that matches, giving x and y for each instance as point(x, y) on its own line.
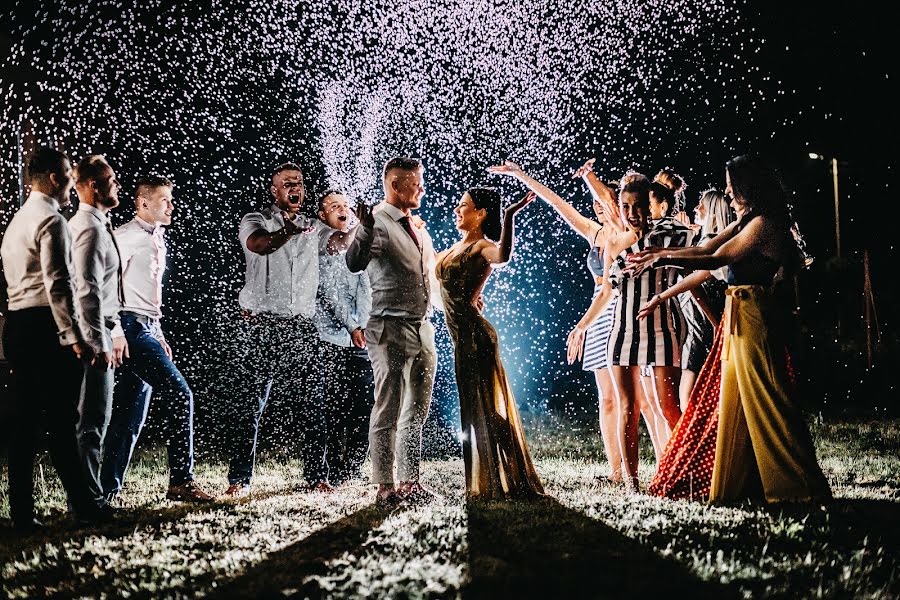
point(142, 248)
point(96, 262)
point(282, 283)
point(37, 263)
point(401, 273)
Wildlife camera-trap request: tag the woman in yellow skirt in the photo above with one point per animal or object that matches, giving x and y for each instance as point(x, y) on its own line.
point(763, 447)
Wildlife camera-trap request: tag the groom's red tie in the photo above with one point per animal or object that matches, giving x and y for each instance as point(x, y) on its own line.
point(408, 227)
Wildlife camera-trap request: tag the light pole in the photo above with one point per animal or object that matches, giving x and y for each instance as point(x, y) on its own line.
point(837, 228)
point(837, 209)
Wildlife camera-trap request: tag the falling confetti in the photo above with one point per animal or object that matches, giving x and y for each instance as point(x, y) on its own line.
point(213, 97)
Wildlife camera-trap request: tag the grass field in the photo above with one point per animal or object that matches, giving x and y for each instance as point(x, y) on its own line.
point(587, 541)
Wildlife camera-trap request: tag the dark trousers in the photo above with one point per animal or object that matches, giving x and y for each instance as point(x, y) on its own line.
point(148, 371)
point(349, 393)
point(46, 381)
point(285, 350)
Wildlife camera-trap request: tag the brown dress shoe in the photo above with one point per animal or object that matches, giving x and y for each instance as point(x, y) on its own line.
point(188, 491)
point(238, 492)
point(416, 493)
point(322, 487)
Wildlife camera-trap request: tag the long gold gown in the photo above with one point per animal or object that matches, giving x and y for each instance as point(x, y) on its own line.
point(497, 462)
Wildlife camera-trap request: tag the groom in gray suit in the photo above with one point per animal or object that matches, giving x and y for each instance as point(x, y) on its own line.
point(398, 256)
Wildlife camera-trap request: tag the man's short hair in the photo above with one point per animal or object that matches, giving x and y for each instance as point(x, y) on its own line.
point(404, 163)
point(150, 182)
point(45, 161)
point(288, 166)
point(92, 166)
point(326, 193)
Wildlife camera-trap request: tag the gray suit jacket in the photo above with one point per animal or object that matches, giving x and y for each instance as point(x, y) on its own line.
point(398, 269)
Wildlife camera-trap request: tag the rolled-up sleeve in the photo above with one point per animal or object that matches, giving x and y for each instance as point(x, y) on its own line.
point(250, 224)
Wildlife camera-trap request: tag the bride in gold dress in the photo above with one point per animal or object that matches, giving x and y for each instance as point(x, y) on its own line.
point(497, 462)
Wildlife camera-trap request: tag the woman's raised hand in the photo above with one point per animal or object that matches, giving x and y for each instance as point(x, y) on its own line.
point(607, 202)
point(507, 168)
point(517, 206)
point(584, 169)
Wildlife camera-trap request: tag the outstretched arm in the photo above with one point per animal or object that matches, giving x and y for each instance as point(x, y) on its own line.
point(364, 245)
point(601, 194)
point(259, 241)
point(754, 236)
point(339, 241)
point(687, 283)
point(495, 254)
point(585, 227)
point(650, 257)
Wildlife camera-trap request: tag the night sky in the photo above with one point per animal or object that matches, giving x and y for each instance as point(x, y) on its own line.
point(215, 96)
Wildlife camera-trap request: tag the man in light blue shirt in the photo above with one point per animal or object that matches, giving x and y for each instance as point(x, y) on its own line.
point(343, 305)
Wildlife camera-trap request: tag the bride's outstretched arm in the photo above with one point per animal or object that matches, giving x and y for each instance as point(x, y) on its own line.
point(499, 254)
point(585, 227)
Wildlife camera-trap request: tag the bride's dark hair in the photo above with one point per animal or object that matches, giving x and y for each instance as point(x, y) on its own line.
point(488, 199)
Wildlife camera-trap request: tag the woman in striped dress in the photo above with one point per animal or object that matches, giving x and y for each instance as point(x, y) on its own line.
point(633, 344)
point(596, 234)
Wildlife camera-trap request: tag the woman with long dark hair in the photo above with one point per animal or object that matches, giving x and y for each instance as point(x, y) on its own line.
point(763, 447)
point(497, 462)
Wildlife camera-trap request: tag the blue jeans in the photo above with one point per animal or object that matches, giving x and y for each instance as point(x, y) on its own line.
point(147, 370)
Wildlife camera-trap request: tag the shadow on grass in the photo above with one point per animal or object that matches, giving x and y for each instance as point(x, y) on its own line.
point(59, 526)
point(543, 549)
point(60, 529)
point(852, 520)
point(283, 572)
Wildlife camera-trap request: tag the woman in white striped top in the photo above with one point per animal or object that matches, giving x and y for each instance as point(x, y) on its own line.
point(654, 342)
point(596, 233)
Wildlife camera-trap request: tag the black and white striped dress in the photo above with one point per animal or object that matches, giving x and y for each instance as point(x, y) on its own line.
point(598, 333)
point(657, 339)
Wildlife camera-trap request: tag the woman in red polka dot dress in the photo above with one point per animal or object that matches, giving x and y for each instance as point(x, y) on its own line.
point(686, 465)
point(685, 469)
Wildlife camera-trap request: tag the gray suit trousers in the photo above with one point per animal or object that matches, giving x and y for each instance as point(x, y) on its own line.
point(403, 361)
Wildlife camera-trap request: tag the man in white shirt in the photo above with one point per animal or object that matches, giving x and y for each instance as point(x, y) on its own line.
point(147, 367)
point(43, 341)
point(278, 303)
point(97, 302)
point(399, 259)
